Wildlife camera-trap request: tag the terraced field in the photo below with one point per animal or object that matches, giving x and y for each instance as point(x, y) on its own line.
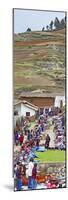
point(39, 61)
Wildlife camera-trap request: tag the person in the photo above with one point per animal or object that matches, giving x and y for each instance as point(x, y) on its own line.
point(29, 135)
point(16, 137)
point(19, 178)
point(47, 141)
point(49, 184)
point(34, 173)
point(21, 138)
point(37, 141)
point(31, 142)
point(25, 138)
point(30, 168)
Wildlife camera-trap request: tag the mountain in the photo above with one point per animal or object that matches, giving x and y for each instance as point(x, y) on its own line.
point(39, 61)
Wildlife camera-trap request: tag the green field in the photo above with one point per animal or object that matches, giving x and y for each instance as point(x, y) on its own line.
point(51, 156)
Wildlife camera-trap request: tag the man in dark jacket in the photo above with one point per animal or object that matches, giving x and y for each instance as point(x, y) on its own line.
point(47, 141)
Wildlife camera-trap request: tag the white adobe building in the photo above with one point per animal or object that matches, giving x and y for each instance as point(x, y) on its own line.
point(24, 108)
point(59, 101)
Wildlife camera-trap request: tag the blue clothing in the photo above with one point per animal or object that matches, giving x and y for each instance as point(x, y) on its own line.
point(19, 184)
point(34, 184)
point(16, 136)
point(30, 182)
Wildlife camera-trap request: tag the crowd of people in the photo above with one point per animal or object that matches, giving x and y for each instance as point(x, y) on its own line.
point(60, 133)
point(21, 171)
point(29, 141)
point(33, 180)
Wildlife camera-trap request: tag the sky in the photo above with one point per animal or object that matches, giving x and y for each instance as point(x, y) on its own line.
point(34, 19)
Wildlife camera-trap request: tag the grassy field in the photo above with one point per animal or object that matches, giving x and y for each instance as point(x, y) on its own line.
point(51, 156)
point(39, 61)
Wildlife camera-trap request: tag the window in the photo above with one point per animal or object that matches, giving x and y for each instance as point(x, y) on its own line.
point(27, 114)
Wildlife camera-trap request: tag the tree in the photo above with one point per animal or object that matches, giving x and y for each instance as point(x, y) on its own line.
point(28, 29)
point(47, 27)
point(65, 21)
point(51, 25)
point(57, 23)
point(62, 23)
point(43, 28)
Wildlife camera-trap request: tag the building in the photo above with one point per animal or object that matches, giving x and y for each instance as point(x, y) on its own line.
point(25, 109)
point(59, 101)
point(42, 100)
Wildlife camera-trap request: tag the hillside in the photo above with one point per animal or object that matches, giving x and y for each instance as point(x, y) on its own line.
point(39, 61)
